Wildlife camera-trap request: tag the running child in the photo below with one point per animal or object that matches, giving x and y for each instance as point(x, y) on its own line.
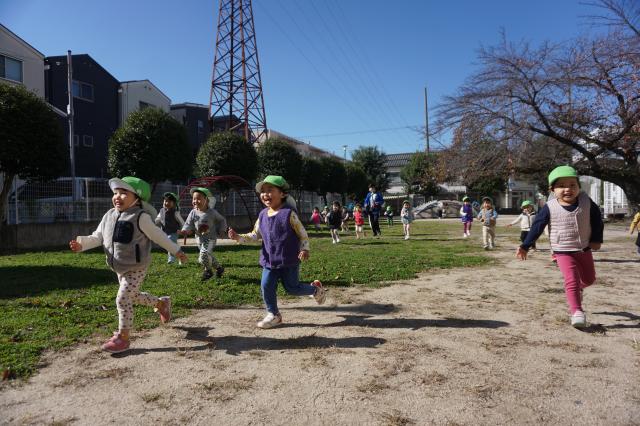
point(126, 233)
point(635, 224)
point(207, 224)
point(170, 220)
point(466, 213)
point(575, 229)
point(334, 220)
point(488, 217)
point(316, 218)
point(526, 219)
point(406, 215)
point(284, 244)
point(345, 220)
point(358, 218)
point(389, 214)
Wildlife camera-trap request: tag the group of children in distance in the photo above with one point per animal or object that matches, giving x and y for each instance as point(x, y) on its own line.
point(127, 231)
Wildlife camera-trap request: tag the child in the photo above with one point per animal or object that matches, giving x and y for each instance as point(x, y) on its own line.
point(488, 216)
point(525, 220)
point(406, 215)
point(170, 220)
point(635, 224)
point(575, 228)
point(389, 214)
point(345, 220)
point(284, 245)
point(126, 232)
point(334, 220)
point(466, 212)
point(207, 224)
point(316, 219)
point(358, 218)
point(324, 213)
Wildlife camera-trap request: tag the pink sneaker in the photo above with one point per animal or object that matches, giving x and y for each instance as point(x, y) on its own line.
point(165, 311)
point(116, 344)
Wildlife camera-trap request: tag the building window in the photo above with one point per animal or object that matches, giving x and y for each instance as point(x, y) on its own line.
point(200, 127)
point(82, 90)
point(76, 140)
point(11, 69)
point(87, 141)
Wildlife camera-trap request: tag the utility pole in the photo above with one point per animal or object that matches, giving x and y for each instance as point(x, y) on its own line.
point(344, 148)
point(426, 118)
point(72, 155)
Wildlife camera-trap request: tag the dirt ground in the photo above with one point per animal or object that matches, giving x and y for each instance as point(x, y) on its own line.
point(489, 345)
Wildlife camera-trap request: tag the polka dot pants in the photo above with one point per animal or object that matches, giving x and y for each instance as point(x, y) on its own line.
point(206, 258)
point(128, 294)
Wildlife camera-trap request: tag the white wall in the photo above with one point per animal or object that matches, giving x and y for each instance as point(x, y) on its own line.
point(32, 61)
point(132, 93)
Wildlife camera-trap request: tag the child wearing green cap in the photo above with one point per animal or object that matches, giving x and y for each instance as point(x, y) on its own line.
point(389, 215)
point(488, 216)
point(575, 228)
point(207, 224)
point(525, 219)
point(170, 220)
point(126, 232)
point(466, 215)
point(284, 244)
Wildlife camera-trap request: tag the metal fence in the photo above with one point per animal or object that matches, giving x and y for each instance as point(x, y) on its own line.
point(49, 202)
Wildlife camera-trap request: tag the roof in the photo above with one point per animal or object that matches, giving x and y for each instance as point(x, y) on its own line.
point(397, 160)
point(21, 40)
point(149, 82)
point(188, 105)
point(64, 59)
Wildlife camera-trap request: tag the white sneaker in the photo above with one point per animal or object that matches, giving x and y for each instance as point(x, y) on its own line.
point(270, 321)
point(333, 241)
point(406, 237)
point(464, 235)
point(320, 295)
point(579, 319)
point(337, 240)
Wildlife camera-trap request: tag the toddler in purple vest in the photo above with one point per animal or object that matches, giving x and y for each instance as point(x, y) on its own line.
point(284, 244)
point(575, 228)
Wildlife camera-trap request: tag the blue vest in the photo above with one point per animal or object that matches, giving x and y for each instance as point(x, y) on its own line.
point(280, 244)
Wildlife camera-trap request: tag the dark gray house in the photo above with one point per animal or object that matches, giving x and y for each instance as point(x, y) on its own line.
point(195, 118)
point(95, 104)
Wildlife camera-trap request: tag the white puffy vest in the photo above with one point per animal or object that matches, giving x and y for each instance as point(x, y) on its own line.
point(570, 231)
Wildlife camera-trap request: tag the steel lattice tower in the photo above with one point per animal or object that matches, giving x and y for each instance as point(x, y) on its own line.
point(236, 101)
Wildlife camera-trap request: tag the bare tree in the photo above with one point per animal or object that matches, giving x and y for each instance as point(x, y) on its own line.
point(584, 95)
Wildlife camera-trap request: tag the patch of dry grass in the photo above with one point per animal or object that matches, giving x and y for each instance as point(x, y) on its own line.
point(374, 385)
point(226, 390)
point(395, 418)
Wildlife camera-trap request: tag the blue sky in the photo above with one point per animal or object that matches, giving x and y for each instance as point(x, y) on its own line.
point(349, 67)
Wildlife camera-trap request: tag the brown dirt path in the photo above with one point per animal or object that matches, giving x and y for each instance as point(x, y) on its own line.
point(474, 346)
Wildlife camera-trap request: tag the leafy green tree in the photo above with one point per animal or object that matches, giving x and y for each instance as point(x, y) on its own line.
point(311, 174)
point(372, 161)
point(419, 175)
point(277, 157)
point(151, 145)
point(31, 140)
point(487, 186)
point(357, 182)
point(227, 153)
point(334, 177)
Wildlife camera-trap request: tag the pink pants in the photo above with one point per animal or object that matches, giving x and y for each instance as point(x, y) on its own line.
point(579, 272)
point(467, 226)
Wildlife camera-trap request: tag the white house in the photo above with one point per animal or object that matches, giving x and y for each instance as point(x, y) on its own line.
point(605, 194)
point(20, 63)
point(140, 94)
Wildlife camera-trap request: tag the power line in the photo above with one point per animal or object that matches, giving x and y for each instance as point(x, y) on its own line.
point(356, 132)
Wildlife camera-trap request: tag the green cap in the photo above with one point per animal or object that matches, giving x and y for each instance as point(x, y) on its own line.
point(132, 184)
point(485, 198)
point(526, 203)
point(406, 202)
point(465, 198)
point(561, 172)
point(275, 181)
point(389, 208)
point(202, 190)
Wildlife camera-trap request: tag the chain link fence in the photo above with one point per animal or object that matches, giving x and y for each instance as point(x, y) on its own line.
point(51, 202)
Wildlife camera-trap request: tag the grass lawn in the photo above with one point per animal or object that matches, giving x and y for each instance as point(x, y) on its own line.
point(53, 299)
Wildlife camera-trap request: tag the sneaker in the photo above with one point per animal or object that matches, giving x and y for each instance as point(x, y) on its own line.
point(464, 235)
point(320, 294)
point(486, 247)
point(165, 310)
point(579, 319)
point(333, 241)
point(270, 321)
point(116, 344)
point(337, 240)
point(219, 271)
point(207, 274)
point(406, 237)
